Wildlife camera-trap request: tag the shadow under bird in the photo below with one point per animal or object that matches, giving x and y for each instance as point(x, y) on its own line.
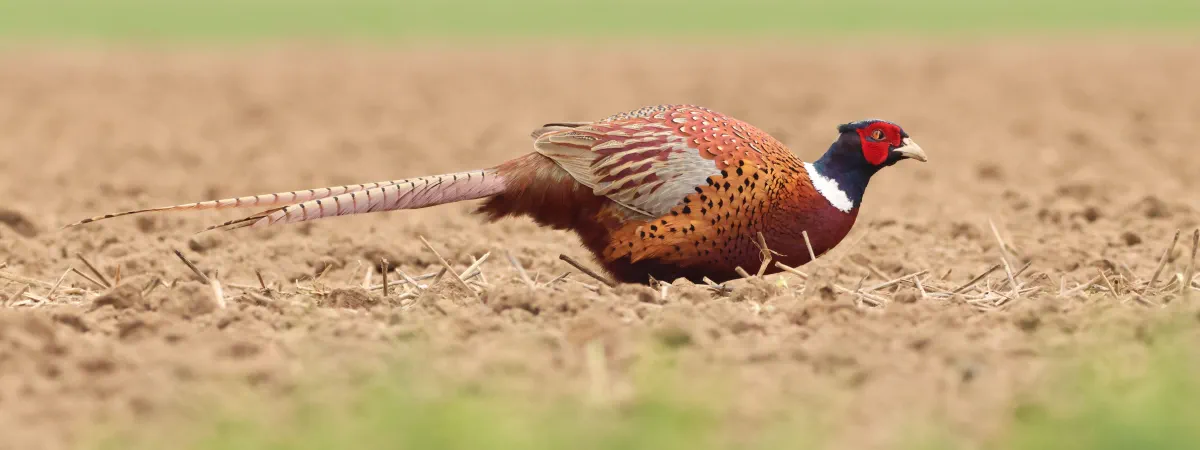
point(665, 191)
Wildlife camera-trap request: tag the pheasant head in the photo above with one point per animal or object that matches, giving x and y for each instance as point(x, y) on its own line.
point(861, 149)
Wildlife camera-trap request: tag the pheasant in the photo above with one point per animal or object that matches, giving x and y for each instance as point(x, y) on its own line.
point(668, 191)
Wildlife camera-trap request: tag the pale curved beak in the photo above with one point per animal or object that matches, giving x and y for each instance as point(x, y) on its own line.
point(911, 150)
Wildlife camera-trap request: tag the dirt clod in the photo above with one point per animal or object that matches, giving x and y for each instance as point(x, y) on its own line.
point(1028, 321)
point(133, 328)
point(72, 320)
point(189, 299)
point(1130, 238)
point(355, 298)
point(1153, 207)
point(123, 296)
point(18, 222)
point(643, 294)
point(203, 243)
point(242, 350)
point(325, 264)
point(989, 171)
point(907, 296)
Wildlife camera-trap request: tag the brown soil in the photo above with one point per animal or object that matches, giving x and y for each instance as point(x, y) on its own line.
point(1083, 155)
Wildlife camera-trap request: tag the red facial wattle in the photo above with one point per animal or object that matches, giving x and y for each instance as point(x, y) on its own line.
point(875, 151)
point(877, 142)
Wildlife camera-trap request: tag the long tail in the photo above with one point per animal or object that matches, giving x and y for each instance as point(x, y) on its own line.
point(312, 204)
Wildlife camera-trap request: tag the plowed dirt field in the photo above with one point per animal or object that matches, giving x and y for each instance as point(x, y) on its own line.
point(1081, 154)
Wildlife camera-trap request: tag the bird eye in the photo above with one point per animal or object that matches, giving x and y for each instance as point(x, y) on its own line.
point(877, 135)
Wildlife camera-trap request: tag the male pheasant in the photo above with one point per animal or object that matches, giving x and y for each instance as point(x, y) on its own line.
point(665, 191)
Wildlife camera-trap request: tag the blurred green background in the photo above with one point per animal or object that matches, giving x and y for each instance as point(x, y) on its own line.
point(175, 20)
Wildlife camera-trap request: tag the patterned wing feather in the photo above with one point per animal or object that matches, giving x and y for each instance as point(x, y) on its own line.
point(649, 160)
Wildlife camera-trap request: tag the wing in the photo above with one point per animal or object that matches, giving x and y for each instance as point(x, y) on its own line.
point(650, 159)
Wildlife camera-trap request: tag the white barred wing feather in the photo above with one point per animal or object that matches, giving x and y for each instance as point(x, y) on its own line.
point(643, 165)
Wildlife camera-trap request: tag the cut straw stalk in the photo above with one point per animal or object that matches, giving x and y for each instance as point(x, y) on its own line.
point(196, 270)
point(413, 281)
point(449, 268)
point(1022, 270)
point(520, 270)
point(872, 269)
point(1006, 249)
point(30, 281)
point(405, 279)
point(88, 278)
point(150, 286)
point(385, 266)
point(808, 244)
point(95, 271)
point(1162, 262)
point(557, 279)
point(874, 300)
point(589, 272)
point(741, 272)
point(766, 254)
point(893, 282)
point(1111, 288)
point(15, 296)
point(1011, 279)
point(1081, 287)
point(812, 259)
point(217, 293)
point(720, 289)
point(791, 270)
point(1191, 267)
point(475, 266)
point(976, 279)
point(50, 295)
point(858, 286)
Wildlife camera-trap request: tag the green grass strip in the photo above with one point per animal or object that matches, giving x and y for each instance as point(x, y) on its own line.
point(401, 19)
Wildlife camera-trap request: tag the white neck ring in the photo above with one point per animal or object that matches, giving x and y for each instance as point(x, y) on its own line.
point(828, 187)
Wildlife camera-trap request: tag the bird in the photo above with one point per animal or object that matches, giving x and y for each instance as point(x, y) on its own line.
point(658, 193)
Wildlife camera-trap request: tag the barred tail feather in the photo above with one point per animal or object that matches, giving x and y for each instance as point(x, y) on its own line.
point(412, 193)
point(263, 200)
